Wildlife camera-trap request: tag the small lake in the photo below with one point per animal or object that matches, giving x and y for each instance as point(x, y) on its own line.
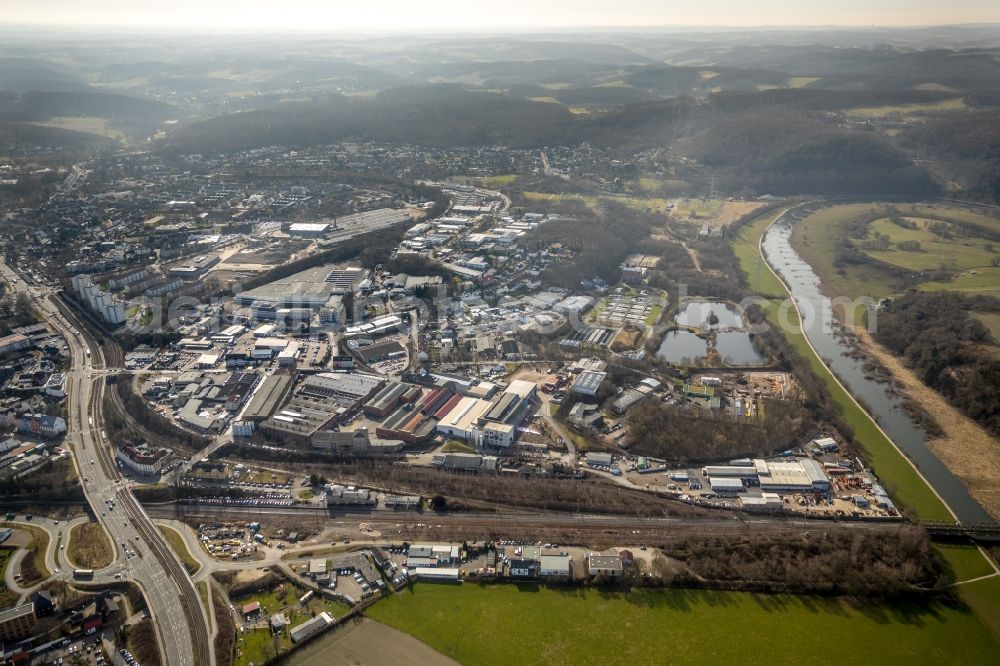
point(696, 315)
point(736, 348)
point(679, 346)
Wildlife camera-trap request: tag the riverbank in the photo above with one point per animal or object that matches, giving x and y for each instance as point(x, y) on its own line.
point(968, 451)
point(900, 476)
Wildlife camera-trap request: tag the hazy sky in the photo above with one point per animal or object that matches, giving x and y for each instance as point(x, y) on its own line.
point(441, 15)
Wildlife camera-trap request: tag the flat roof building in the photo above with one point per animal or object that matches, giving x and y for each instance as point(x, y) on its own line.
point(311, 627)
point(17, 622)
point(588, 382)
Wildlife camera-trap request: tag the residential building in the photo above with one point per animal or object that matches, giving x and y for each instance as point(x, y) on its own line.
point(143, 459)
point(17, 622)
point(42, 425)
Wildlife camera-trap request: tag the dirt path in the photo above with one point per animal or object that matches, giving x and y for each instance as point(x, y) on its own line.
point(968, 451)
point(693, 255)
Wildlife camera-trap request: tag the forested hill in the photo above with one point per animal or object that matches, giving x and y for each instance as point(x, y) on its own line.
point(776, 141)
point(43, 105)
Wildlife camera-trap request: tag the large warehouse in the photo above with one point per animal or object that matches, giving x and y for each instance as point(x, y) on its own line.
point(794, 475)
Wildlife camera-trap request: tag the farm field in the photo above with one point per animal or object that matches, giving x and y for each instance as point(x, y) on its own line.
point(935, 251)
point(818, 237)
point(980, 281)
point(752, 265)
point(532, 624)
point(906, 110)
point(91, 125)
point(714, 212)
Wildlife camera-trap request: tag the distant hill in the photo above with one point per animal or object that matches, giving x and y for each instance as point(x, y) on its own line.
point(775, 141)
point(16, 135)
point(41, 106)
point(21, 75)
point(431, 115)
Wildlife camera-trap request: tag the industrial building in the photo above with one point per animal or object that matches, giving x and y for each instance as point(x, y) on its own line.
point(316, 291)
point(591, 338)
point(381, 351)
point(795, 475)
point(588, 382)
point(307, 229)
point(487, 423)
point(320, 401)
point(466, 462)
point(434, 573)
point(389, 398)
point(604, 565)
point(555, 566)
point(355, 443)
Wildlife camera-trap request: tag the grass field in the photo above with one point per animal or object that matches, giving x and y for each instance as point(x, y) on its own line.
point(89, 546)
point(906, 110)
point(990, 320)
point(983, 597)
point(979, 281)
point(457, 446)
point(33, 566)
point(91, 125)
point(817, 237)
point(499, 181)
point(507, 624)
point(206, 599)
point(364, 641)
point(657, 204)
point(755, 271)
point(966, 561)
point(7, 597)
point(176, 542)
point(935, 252)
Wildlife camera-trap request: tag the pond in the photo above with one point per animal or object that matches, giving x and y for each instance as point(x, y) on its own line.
point(736, 348)
point(697, 313)
point(680, 346)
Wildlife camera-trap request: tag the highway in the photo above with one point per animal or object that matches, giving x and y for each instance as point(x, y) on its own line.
point(174, 603)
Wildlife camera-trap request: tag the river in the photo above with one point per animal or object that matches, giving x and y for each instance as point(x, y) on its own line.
point(886, 408)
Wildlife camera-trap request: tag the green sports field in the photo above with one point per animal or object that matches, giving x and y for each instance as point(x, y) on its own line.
point(527, 624)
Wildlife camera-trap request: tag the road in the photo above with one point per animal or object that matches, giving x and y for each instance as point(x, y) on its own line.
point(174, 604)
